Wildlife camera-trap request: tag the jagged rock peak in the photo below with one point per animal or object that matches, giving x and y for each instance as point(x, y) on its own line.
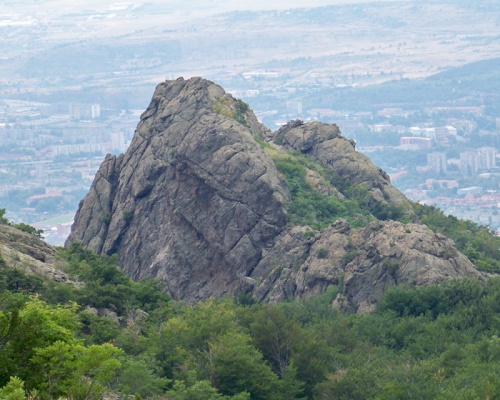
point(194, 201)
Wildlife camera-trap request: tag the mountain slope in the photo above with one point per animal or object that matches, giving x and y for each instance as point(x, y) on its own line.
point(30, 255)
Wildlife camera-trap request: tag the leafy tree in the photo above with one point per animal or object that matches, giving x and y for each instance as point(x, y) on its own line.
point(29, 229)
point(77, 371)
point(275, 335)
point(3, 220)
point(99, 329)
point(39, 346)
point(136, 378)
point(34, 325)
point(187, 335)
point(13, 390)
point(200, 390)
point(16, 281)
point(149, 294)
point(233, 365)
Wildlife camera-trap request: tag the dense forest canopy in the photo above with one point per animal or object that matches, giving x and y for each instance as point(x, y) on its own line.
point(429, 342)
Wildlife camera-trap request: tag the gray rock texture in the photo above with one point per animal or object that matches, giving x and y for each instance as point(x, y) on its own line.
point(197, 203)
point(324, 143)
point(32, 256)
point(367, 261)
point(194, 201)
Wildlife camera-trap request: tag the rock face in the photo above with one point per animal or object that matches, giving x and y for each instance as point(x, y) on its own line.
point(20, 250)
point(197, 203)
point(367, 261)
point(194, 201)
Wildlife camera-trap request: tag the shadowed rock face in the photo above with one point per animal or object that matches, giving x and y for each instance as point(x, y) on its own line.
point(196, 203)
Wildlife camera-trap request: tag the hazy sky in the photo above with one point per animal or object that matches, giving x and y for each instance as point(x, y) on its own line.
point(280, 4)
point(63, 6)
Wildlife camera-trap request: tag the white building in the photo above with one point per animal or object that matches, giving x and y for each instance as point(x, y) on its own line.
point(437, 162)
point(487, 158)
point(118, 141)
point(469, 162)
point(482, 159)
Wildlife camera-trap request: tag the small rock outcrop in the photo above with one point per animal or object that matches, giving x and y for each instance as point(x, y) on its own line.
point(324, 143)
point(32, 256)
point(197, 203)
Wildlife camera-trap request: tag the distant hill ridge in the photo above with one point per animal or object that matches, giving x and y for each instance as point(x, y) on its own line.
point(212, 203)
point(449, 87)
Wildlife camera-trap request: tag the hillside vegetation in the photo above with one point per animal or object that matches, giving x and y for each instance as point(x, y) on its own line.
point(117, 336)
point(319, 202)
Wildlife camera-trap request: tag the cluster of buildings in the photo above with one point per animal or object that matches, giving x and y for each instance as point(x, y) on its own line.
point(49, 154)
point(470, 162)
point(474, 161)
point(45, 131)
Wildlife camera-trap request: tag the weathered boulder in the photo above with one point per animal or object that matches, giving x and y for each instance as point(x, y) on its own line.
point(22, 251)
point(391, 253)
point(367, 261)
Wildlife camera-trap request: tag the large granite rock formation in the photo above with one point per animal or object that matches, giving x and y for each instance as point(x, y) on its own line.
point(197, 203)
point(367, 261)
point(194, 201)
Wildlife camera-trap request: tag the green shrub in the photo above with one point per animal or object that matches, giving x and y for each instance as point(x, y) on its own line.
point(322, 253)
point(308, 235)
point(106, 219)
point(349, 256)
point(241, 109)
point(127, 217)
point(390, 265)
point(30, 229)
point(308, 207)
point(3, 220)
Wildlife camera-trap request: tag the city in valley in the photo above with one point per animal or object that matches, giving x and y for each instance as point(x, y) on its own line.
point(416, 85)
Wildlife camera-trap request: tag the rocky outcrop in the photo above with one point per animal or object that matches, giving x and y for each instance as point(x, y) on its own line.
point(324, 143)
point(366, 261)
point(32, 256)
point(197, 203)
point(194, 201)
